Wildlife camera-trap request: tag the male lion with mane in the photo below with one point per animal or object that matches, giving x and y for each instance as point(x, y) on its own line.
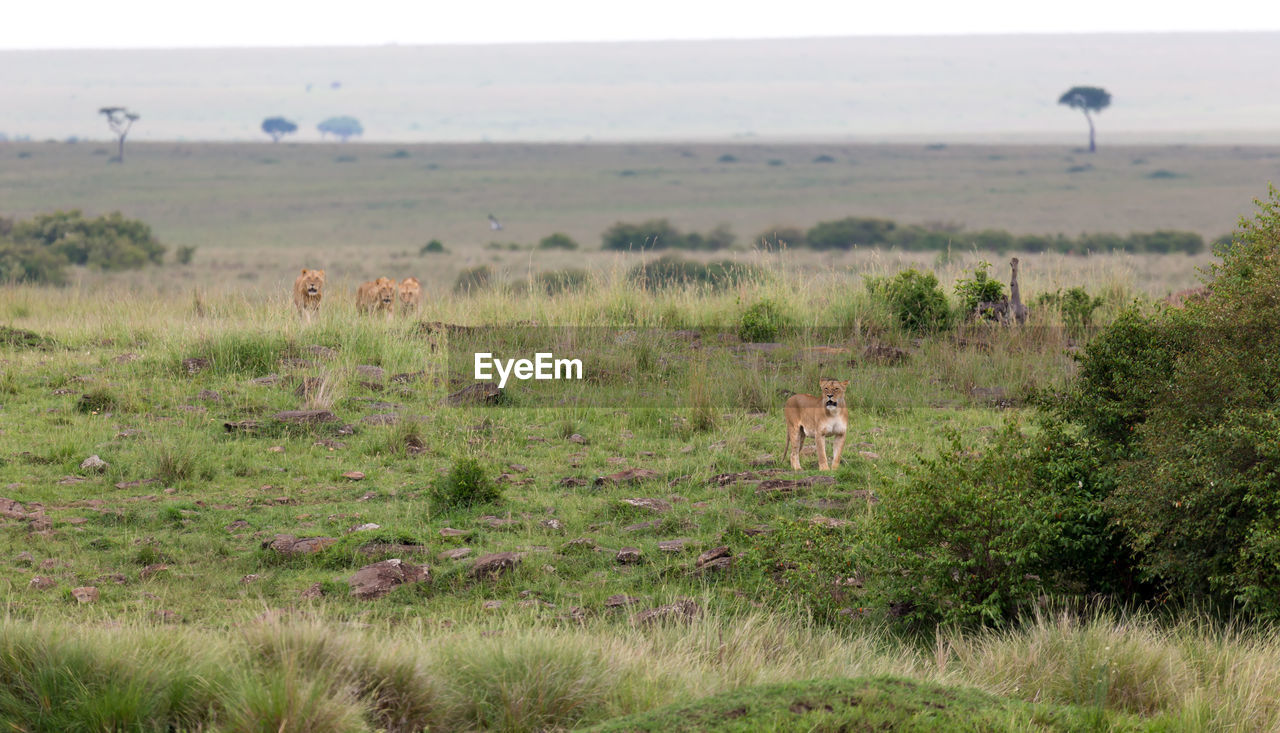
point(378, 295)
point(819, 417)
point(410, 294)
point(307, 290)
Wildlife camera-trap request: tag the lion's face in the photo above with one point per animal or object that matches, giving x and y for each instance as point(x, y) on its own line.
point(410, 291)
point(833, 393)
point(311, 282)
point(384, 289)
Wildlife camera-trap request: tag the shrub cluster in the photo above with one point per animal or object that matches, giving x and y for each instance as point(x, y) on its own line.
point(916, 299)
point(661, 234)
point(39, 249)
point(673, 271)
point(857, 231)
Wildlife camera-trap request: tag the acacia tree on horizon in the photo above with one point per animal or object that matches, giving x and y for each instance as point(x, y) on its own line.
point(278, 127)
point(1087, 99)
point(121, 120)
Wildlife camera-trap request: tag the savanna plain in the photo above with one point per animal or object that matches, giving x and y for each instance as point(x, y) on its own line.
point(632, 551)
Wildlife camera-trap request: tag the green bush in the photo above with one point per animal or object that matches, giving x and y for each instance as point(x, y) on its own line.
point(1077, 309)
point(39, 249)
point(557, 241)
point(979, 288)
point(850, 232)
point(778, 237)
point(434, 247)
point(572, 280)
point(977, 538)
point(917, 302)
point(184, 254)
point(803, 563)
point(27, 262)
point(473, 280)
point(762, 322)
point(673, 271)
point(467, 484)
point(652, 234)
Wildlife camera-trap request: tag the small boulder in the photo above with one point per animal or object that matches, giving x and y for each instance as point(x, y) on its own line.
point(94, 463)
point(287, 544)
point(654, 505)
point(354, 476)
point(682, 610)
point(85, 594)
point(41, 582)
point(378, 579)
point(492, 565)
point(628, 556)
point(456, 553)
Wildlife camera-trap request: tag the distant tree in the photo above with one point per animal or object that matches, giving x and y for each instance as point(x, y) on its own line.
point(120, 120)
point(278, 127)
point(342, 127)
point(1087, 99)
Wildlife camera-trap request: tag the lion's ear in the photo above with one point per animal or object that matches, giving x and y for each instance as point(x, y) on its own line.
point(845, 384)
point(304, 271)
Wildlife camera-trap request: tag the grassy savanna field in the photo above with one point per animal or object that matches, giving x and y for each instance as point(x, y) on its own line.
point(199, 622)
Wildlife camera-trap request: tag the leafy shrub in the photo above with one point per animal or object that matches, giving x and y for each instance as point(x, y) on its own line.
point(979, 288)
point(850, 232)
point(37, 250)
point(673, 271)
point(1165, 241)
point(184, 254)
point(779, 237)
point(572, 280)
point(467, 484)
point(652, 234)
point(1077, 309)
point(976, 538)
point(916, 300)
point(98, 399)
point(31, 263)
point(557, 241)
point(762, 322)
point(801, 562)
point(473, 280)
point(433, 247)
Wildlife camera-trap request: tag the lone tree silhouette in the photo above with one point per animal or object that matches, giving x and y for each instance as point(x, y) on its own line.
point(121, 120)
point(278, 127)
point(1087, 99)
point(342, 127)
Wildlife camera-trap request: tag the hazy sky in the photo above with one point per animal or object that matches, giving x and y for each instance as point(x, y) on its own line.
point(26, 24)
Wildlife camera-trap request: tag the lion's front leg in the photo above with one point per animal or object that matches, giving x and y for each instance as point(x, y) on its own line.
point(822, 451)
point(835, 453)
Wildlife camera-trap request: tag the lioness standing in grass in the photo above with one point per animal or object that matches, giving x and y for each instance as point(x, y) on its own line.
point(819, 417)
point(307, 291)
point(378, 295)
point(410, 295)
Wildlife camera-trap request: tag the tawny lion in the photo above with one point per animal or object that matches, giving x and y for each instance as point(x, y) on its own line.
point(378, 295)
point(818, 417)
point(410, 295)
point(307, 291)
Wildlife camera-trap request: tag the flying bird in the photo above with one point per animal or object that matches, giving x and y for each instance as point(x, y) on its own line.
point(494, 224)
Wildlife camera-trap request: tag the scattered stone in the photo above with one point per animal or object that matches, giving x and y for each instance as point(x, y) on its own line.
point(152, 570)
point(166, 616)
point(552, 524)
point(270, 380)
point(628, 556)
point(621, 600)
point(682, 610)
point(305, 417)
point(330, 444)
point(366, 527)
point(517, 468)
point(573, 482)
point(11, 509)
point(368, 371)
point(492, 605)
point(495, 564)
point(381, 418)
point(481, 393)
point(287, 544)
point(407, 377)
point(371, 386)
point(195, 365)
point(382, 549)
point(788, 485)
point(313, 591)
point(276, 449)
point(757, 530)
point(578, 545)
point(641, 526)
point(94, 463)
point(126, 358)
point(135, 484)
point(497, 522)
point(321, 352)
point(249, 578)
point(354, 475)
point(629, 476)
point(820, 521)
point(885, 354)
point(23, 558)
point(239, 524)
point(715, 559)
point(869, 455)
point(117, 578)
point(378, 579)
point(241, 426)
point(70, 480)
point(742, 477)
point(653, 505)
point(451, 532)
point(456, 553)
point(308, 387)
point(50, 564)
point(576, 438)
point(675, 545)
point(41, 582)
point(368, 495)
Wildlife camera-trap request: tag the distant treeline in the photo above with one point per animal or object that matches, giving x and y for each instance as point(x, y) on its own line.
point(845, 234)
